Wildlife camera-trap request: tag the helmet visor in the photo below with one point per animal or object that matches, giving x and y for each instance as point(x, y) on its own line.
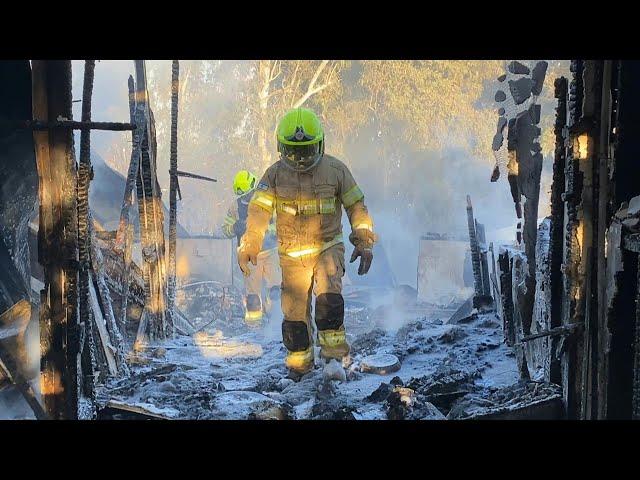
point(300, 157)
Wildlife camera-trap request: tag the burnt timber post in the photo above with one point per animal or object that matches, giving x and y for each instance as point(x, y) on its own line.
point(475, 251)
point(84, 238)
point(154, 323)
point(482, 293)
point(556, 242)
point(57, 240)
point(620, 385)
point(571, 360)
point(124, 235)
point(173, 188)
point(62, 335)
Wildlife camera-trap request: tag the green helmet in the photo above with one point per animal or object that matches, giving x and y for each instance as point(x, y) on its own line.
point(244, 182)
point(300, 139)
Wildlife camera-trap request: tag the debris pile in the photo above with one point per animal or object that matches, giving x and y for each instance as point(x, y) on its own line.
point(445, 387)
point(426, 369)
point(524, 400)
point(211, 304)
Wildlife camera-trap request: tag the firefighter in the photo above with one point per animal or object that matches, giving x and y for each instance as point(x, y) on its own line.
point(307, 189)
point(267, 267)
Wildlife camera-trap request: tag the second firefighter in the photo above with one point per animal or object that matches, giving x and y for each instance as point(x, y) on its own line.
point(267, 268)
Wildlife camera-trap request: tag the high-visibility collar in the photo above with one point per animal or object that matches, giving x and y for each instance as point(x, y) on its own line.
point(311, 249)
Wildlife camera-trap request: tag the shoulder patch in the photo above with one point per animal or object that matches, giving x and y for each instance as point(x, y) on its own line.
point(262, 186)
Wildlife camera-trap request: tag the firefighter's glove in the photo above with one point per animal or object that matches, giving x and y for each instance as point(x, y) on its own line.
point(248, 252)
point(363, 240)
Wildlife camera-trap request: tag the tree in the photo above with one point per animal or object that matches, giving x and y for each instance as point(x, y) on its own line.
point(405, 117)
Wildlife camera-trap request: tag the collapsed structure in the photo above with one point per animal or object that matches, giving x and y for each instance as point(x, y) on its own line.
point(569, 289)
point(581, 329)
point(87, 280)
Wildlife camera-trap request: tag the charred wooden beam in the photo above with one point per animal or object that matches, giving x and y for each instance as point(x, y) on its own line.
point(475, 251)
point(557, 220)
point(134, 165)
point(506, 300)
point(603, 205)
point(624, 169)
point(124, 234)
point(57, 238)
point(482, 289)
point(39, 125)
point(173, 189)
point(563, 330)
point(154, 323)
point(193, 175)
point(571, 360)
point(586, 136)
point(635, 400)
point(84, 239)
point(104, 304)
point(494, 278)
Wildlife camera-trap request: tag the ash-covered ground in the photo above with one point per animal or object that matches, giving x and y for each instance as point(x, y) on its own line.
point(225, 371)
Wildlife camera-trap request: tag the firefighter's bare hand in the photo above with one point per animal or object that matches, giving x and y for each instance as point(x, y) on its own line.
point(366, 257)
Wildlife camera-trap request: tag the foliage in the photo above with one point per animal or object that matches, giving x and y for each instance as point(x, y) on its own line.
point(403, 116)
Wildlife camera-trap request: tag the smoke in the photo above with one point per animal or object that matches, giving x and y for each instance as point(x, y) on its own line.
point(410, 191)
point(425, 192)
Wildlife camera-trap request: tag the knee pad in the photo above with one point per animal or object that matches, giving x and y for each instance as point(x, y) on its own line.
point(253, 303)
point(295, 336)
point(329, 311)
point(274, 292)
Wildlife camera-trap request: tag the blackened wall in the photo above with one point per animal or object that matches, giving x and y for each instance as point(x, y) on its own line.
point(18, 174)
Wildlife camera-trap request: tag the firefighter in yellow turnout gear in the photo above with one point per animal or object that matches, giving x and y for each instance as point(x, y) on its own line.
point(267, 267)
point(306, 189)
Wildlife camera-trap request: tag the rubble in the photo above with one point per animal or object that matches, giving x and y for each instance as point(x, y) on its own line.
point(250, 405)
point(454, 334)
point(530, 400)
point(334, 371)
point(445, 387)
point(367, 343)
point(203, 377)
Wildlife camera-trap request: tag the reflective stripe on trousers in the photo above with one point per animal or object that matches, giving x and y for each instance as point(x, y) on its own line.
point(318, 274)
